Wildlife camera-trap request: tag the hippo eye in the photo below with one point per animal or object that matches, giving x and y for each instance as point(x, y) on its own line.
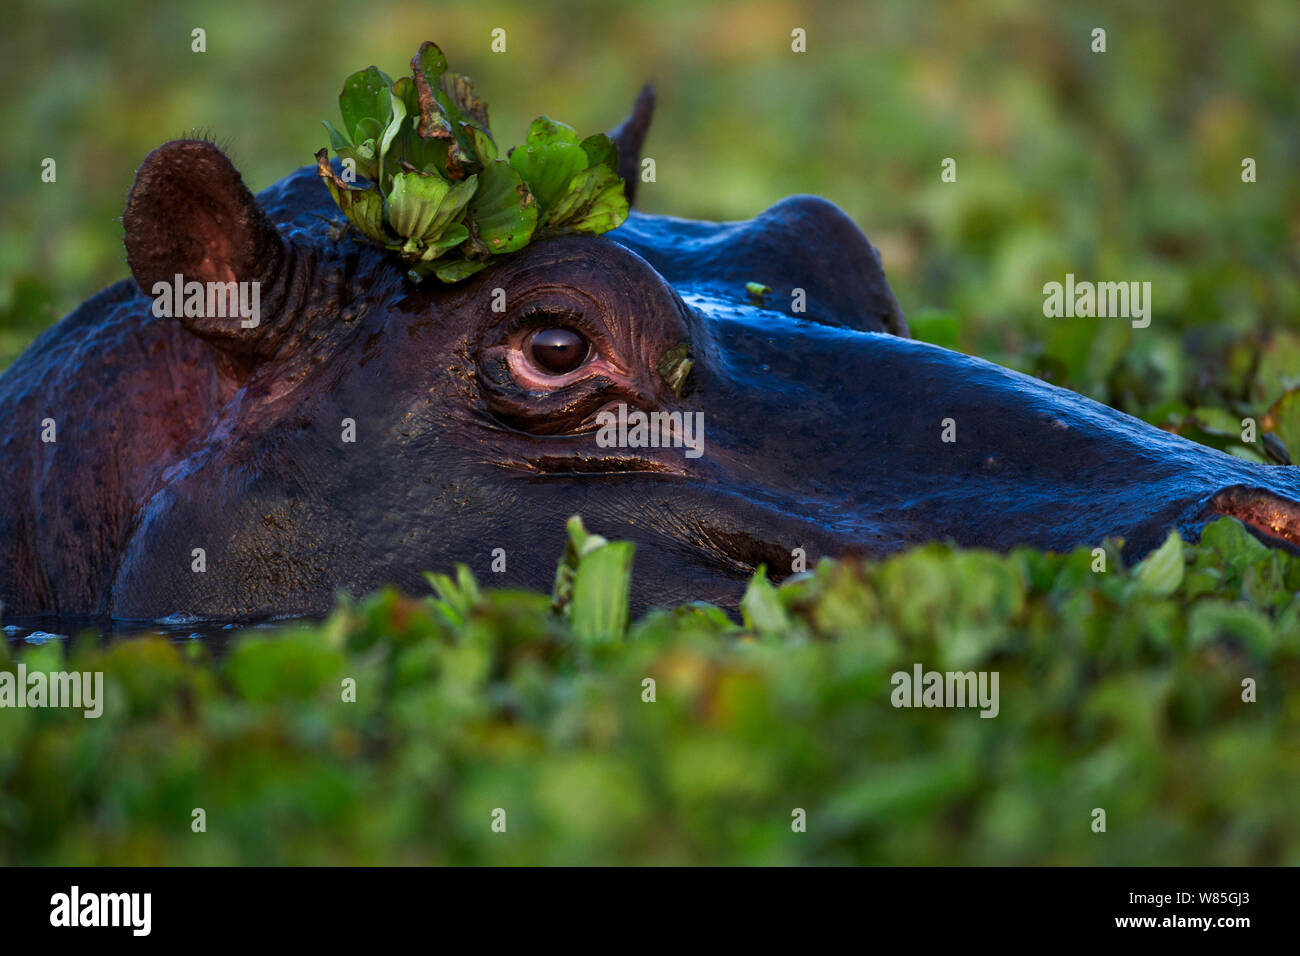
point(558, 350)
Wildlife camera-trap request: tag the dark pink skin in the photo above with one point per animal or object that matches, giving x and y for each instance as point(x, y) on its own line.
point(822, 428)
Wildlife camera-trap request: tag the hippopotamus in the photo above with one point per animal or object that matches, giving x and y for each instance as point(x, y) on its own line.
point(369, 428)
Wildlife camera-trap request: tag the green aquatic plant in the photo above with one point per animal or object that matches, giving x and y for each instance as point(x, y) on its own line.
point(437, 191)
point(1165, 692)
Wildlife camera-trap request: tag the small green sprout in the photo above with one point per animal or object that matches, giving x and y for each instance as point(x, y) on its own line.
point(436, 191)
point(757, 292)
point(592, 583)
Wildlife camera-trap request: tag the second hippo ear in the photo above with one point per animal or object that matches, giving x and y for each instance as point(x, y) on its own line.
point(190, 214)
point(630, 137)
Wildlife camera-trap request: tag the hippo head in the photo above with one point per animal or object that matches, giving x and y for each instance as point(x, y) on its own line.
point(370, 428)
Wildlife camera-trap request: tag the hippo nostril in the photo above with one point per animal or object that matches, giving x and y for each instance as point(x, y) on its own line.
point(1270, 516)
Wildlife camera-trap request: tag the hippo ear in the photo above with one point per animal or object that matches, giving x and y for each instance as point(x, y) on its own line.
point(630, 135)
point(190, 214)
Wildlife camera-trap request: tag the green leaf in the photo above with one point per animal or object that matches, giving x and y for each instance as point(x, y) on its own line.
point(601, 151)
point(461, 102)
point(338, 141)
point(549, 160)
point(456, 599)
point(1162, 571)
point(761, 607)
point(363, 207)
point(404, 87)
point(1210, 621)
point(387, 167)
point(454, 204)
point(1217, 422)
point(422, 206)
point(545, 131)
point(592, 584)
point(485, 148)
point(502, 210)
point(429, 61)
point(578, 541)
point(426, 155)
point(363, 162)
point(1232, 544)
point(600, 593)
point(413, 203)
point(453, 270)
point(675, 366)
point(453, 235)
point(595, 203)
point(366, 104)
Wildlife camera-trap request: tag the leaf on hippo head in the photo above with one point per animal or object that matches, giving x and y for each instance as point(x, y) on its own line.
point(595, 202)
point(413, 201)
point(453, 235)
point(364, 161)
point(601, 150)
point(454, 205)
point(366, 104)
point(426, 155)
point(485, 148)
point(445, 99)
point(438, 185)
point(464, 105)
point(395, 122)
point(469, 120)
point(548, 160)
point(576, 184)
point(453, 270)
point(363, 207)
point(440, 115)
point(427, 66)
point(422, 205)
point(503, 210)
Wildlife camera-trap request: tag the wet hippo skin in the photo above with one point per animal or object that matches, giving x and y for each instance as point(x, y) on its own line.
point(476, 429)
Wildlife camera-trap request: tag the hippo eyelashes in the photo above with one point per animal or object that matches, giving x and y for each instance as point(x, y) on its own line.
point(562, 357)
point(549, 371)
point(549, 347)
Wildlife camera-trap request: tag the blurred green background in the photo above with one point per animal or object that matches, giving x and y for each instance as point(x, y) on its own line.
point(1122, 165)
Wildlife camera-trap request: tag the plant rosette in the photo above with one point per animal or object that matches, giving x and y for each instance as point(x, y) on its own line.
point(436, 191)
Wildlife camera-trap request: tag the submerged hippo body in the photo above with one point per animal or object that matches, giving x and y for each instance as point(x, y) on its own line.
point(476, 429)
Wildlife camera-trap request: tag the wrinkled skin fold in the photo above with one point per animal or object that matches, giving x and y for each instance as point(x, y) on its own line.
point(822, 430)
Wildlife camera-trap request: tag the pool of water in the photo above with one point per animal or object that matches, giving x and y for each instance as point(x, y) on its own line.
point(177, 628)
